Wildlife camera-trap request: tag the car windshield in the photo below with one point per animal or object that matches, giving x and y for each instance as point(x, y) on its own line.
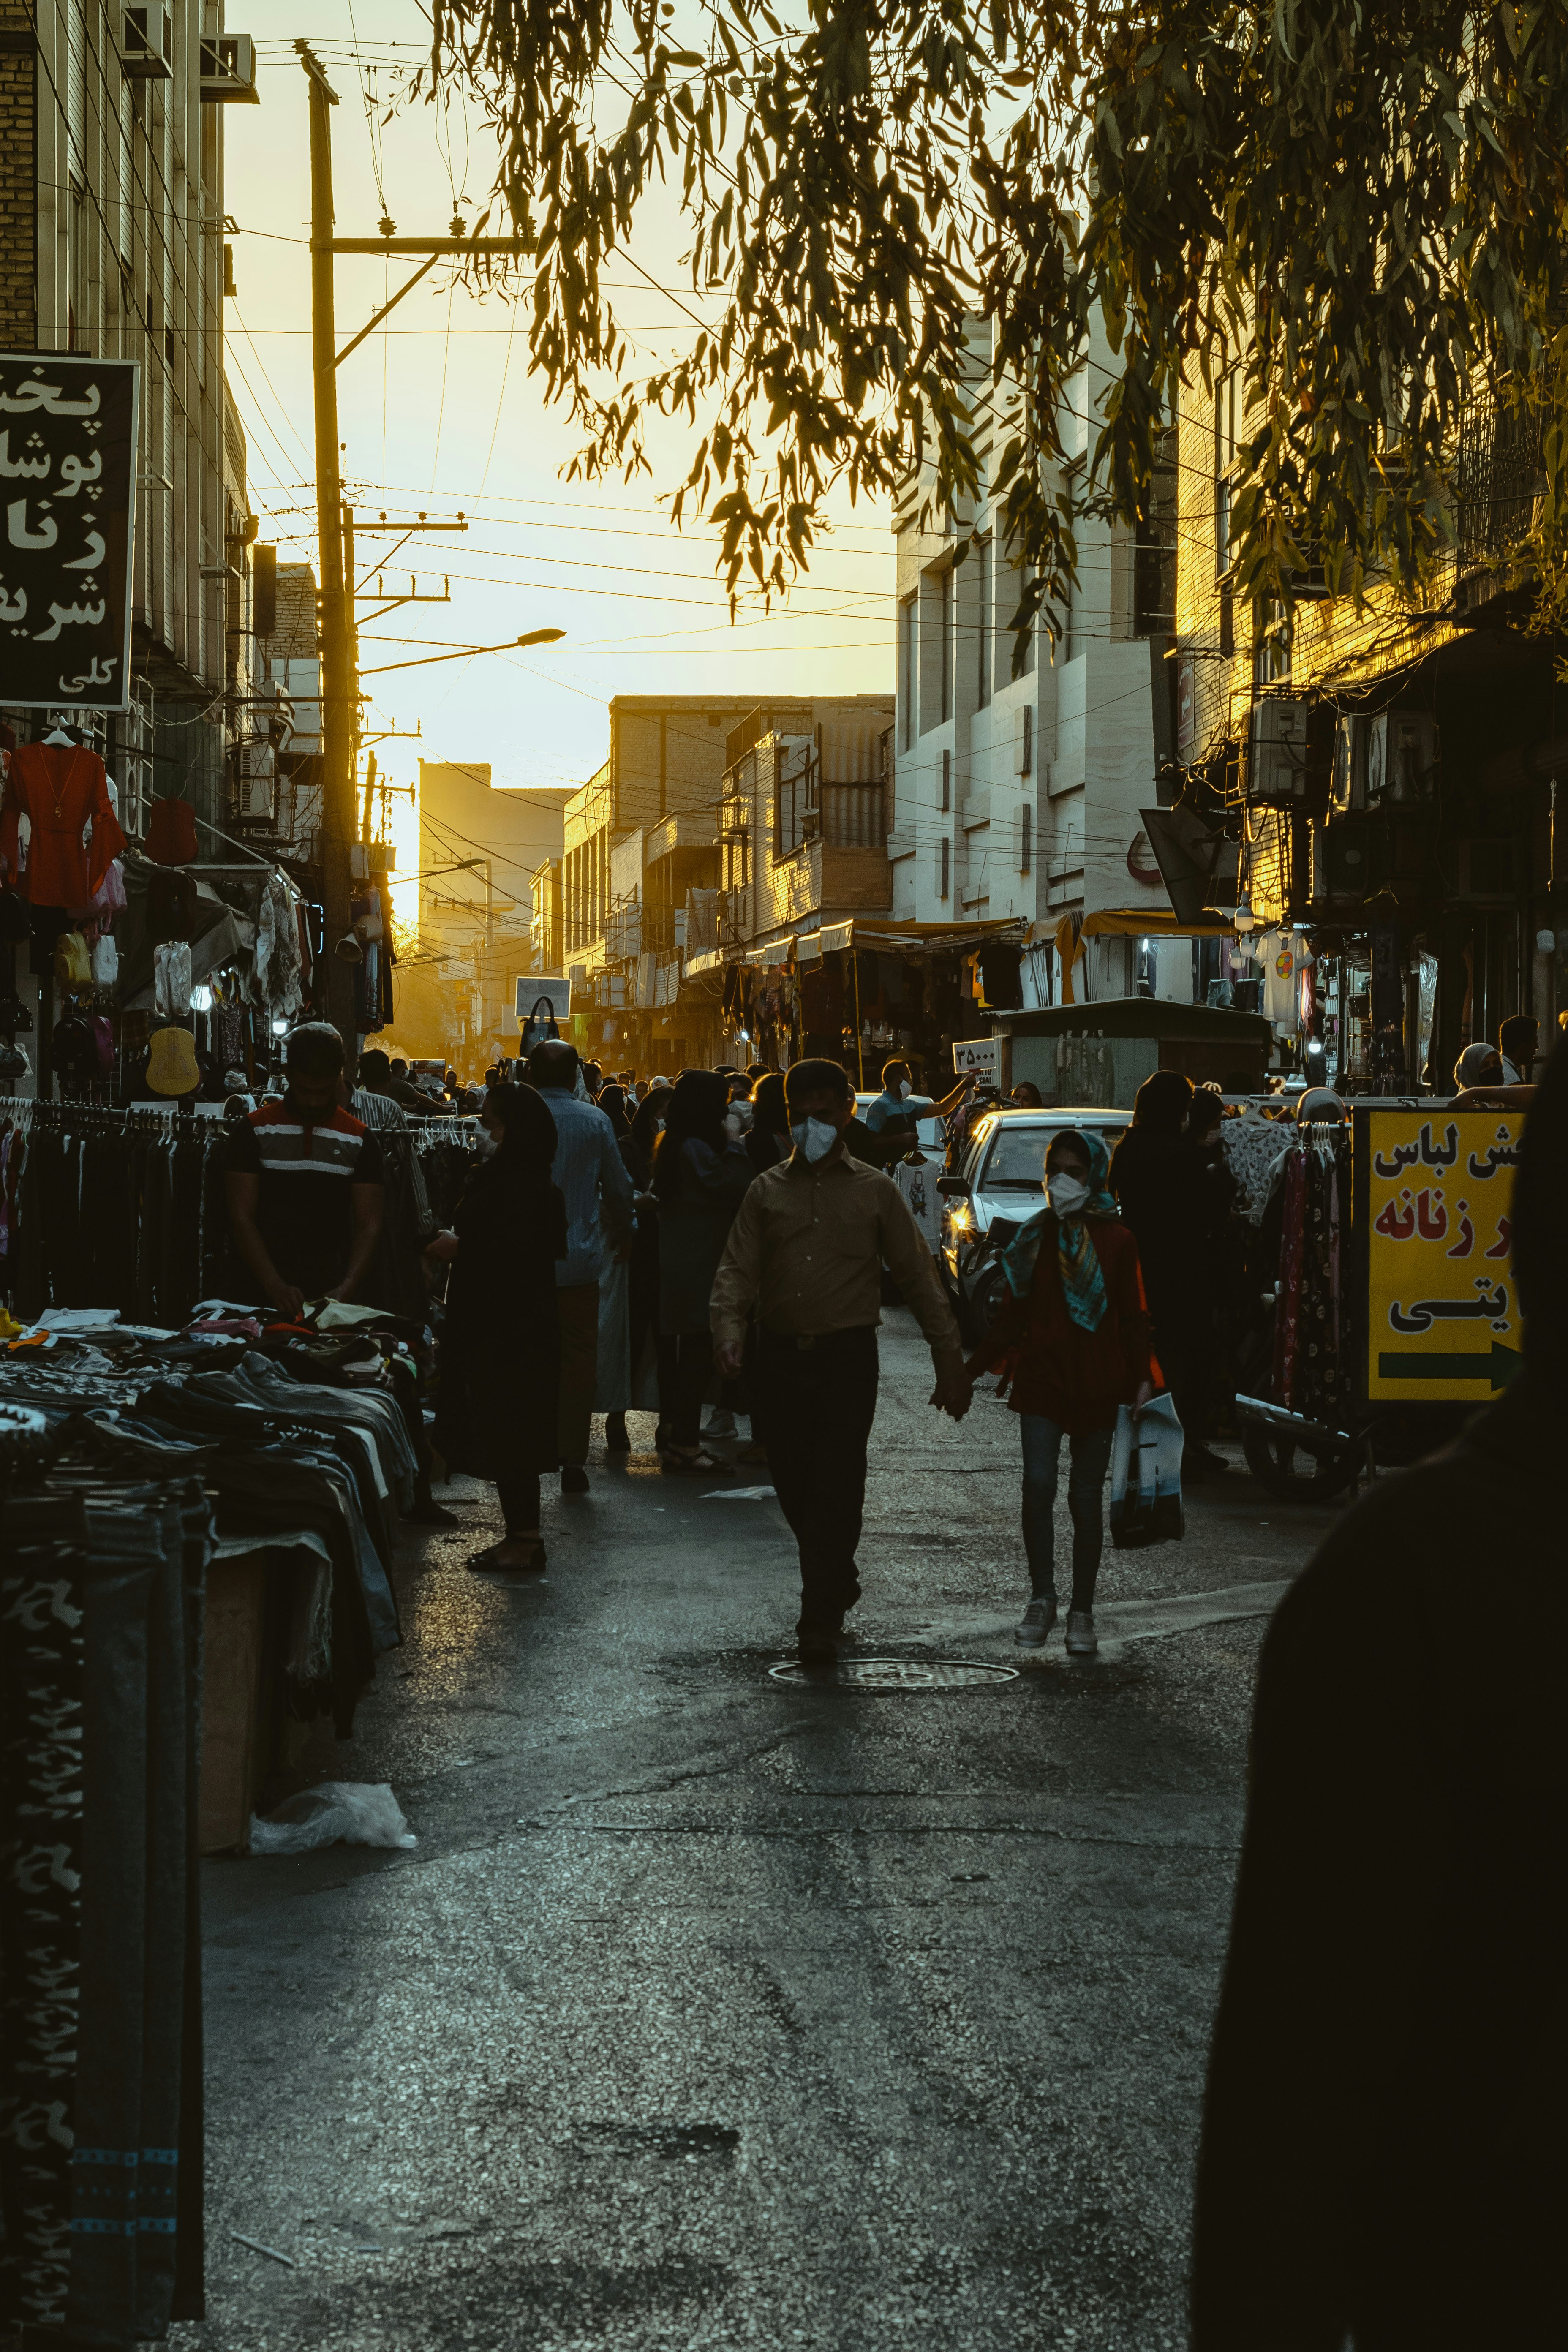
point(1016, 1160)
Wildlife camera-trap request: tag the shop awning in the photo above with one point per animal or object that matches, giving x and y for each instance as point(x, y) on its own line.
point(776, 951)
point(1123, 922)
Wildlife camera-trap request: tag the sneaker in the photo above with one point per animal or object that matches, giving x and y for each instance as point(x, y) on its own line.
point(1198, 1462)
point(574, 1479)
point(719, 1424)
point(1082, 1639)
point(617, 1440)
point(1036, 1622)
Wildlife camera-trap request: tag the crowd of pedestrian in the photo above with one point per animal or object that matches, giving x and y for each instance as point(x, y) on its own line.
point(721, 1242)
point(722, 1239)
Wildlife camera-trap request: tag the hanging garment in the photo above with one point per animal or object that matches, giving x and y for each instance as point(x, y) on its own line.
point(1288, 1307)
point(105, 961)
point(172, 980)
point(171, 833)
point(61, 792)
point(916, 1179)
point(172, 905)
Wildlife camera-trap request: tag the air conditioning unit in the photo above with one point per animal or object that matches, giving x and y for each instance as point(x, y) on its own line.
point(147, 51)
point(255, 782)
point(228, 71)
point(1341, 872)
point(1277, 772)
point(1347, 787)
point(1485, 869)
point(1401, 759)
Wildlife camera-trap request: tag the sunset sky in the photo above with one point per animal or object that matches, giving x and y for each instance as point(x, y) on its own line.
point(438, 413)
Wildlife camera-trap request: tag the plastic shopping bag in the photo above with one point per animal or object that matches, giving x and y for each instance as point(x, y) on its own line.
point(1146, 1476)
point(357, 1813)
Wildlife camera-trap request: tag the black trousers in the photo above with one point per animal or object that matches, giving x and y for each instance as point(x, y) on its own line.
point(818, 1402)
point(685, 1368)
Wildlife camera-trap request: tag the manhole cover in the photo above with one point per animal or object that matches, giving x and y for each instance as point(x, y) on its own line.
point(897, 1674)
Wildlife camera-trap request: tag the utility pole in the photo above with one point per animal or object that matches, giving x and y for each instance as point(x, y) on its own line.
point(339, 674)
point(339, 685)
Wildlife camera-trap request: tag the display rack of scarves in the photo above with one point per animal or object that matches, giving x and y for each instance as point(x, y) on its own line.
point(1309, 1323)
point(112, 1208)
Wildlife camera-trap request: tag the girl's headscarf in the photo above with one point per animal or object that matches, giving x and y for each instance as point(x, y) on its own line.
point(612, 1099)
point(643, 1134)
point(1083, 1284)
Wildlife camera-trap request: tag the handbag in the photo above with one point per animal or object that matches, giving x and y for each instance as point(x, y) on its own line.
point(1146, 1475)
point(73, 965)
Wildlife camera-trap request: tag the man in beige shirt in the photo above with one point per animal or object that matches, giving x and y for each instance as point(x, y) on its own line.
point(805, 1252)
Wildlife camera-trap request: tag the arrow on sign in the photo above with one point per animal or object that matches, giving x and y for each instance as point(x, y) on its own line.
point(1496, 1368)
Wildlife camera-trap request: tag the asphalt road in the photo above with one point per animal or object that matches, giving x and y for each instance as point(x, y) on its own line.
point(711, 2011)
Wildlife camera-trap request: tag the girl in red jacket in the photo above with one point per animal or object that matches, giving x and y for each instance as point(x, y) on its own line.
point(1072, 1337)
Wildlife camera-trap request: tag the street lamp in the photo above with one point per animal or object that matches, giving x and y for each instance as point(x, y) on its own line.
point(467, 652)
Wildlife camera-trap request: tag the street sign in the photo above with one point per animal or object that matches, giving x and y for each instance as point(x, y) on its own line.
point(975, 1057)
point(547, 988)
point(68, 491)
point(1435, 1191)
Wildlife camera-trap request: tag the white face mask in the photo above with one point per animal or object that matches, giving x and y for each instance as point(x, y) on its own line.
point(905, 1089)
point(485, 1144)
point(1067, 1194)
point(815, 1137)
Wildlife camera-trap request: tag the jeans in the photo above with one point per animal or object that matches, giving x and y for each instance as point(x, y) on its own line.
point(819, 1402)
point(1085, 1494)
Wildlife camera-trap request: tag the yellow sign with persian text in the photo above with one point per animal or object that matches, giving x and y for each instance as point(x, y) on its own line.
point(1443, 1319)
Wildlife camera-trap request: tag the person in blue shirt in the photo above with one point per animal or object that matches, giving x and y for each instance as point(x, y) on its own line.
point(598, 1192)
point(897, 1112)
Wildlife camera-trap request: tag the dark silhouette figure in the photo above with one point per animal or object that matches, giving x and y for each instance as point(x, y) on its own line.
point(1382, 2147)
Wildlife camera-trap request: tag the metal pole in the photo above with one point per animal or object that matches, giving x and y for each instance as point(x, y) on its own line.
point(338, 685)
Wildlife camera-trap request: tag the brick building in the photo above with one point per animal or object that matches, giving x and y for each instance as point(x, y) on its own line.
point(111, 200)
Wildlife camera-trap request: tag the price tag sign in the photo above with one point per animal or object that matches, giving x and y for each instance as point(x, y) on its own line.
point(975, 1057)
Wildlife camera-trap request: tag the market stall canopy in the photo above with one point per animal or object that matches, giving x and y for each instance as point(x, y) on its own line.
point(894, 938)
point(220, 936)
point(1110, 922)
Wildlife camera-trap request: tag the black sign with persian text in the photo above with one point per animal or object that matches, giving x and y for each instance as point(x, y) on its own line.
point(67, 506)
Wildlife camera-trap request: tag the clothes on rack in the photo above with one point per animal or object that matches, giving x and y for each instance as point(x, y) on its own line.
point(101, 1581)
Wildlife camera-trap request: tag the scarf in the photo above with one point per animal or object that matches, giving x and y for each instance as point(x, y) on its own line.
point(1078, 1260)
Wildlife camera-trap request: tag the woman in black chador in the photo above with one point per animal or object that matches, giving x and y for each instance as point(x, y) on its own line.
point(500, 1345)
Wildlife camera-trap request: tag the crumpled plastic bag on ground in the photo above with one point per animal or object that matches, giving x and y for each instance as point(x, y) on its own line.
point(354, 1812)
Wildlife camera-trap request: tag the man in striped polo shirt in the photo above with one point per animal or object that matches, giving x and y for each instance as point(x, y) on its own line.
point(304, 1182)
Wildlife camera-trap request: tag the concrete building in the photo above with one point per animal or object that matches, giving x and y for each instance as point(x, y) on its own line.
point(1382, 775)
point(1021, 766)
point(479, 849)
point(111, 201)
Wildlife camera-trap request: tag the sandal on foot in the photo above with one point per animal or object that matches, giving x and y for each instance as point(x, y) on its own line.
point(700, 1465)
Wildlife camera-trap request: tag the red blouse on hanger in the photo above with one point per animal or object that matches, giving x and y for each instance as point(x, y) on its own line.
point(60, 790)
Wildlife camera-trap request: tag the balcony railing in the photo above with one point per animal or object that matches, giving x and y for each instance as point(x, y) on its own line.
point(1499, 480)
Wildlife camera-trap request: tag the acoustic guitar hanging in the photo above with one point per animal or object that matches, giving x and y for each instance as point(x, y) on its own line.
point(172, 1066)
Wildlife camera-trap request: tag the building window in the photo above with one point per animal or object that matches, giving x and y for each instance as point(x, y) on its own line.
point(1026, 740)
point(1154, 549)
point(983, 674)
point(1227, 416)
point(949, 587)
point(1026, 839)
point(946, 867)
point(906, 672)
point(1024, 639)
point(947, 780)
